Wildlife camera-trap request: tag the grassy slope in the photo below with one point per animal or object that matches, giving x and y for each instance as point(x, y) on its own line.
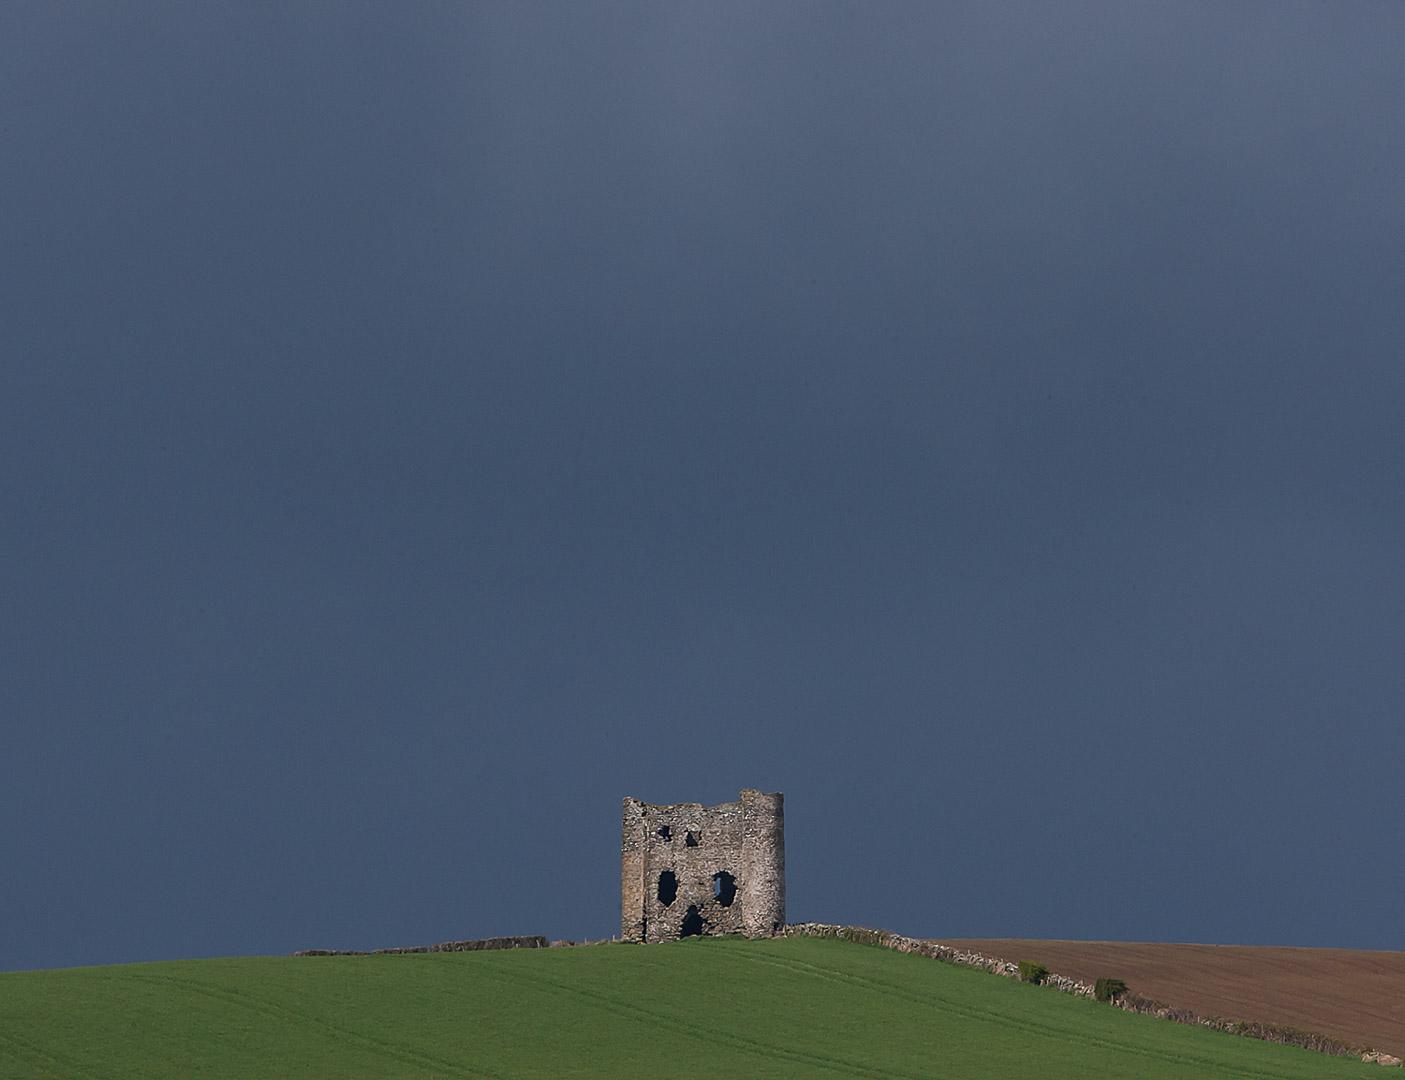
point(768, 1009)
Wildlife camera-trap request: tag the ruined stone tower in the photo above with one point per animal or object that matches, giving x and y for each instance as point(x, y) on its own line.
point(688, 869)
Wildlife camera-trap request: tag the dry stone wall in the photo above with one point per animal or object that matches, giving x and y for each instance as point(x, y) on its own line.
point(533, 941)
point(692, 870)
point(1128, 1002)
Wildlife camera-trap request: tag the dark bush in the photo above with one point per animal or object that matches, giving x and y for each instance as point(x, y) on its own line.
point(1108, 989)
point(1031, 972)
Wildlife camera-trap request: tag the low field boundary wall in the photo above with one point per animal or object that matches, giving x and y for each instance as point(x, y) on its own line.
point(534, 941)
point(1127, 1001)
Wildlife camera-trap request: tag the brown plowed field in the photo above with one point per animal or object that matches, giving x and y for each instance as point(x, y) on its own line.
point(1353, 994)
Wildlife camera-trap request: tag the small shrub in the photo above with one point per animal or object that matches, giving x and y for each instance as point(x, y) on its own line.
point(1031, 972)
point(1108, 989)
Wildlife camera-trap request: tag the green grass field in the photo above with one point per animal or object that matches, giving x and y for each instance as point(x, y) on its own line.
point(790, 1008)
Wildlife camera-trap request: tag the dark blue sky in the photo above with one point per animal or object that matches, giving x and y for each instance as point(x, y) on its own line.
point(423, 424)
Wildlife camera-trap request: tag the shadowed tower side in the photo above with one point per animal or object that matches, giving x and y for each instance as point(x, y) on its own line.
point(633, 920)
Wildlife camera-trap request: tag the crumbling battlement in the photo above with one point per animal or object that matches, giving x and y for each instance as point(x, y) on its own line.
point(688, 869)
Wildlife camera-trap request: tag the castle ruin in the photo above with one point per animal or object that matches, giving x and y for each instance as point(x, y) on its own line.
point(690, 870)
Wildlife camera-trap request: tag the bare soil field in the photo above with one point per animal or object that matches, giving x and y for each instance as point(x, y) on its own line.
point(1354, 994)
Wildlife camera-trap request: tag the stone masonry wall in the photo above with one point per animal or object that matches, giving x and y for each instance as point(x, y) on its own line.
point(1127, 1001)
point(533, 941)
point(688, 869)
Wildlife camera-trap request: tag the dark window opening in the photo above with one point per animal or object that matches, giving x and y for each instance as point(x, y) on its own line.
point(665, 833)
point(692, 923)
point(691, 839)
point(724, 888)
point(668, 887)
